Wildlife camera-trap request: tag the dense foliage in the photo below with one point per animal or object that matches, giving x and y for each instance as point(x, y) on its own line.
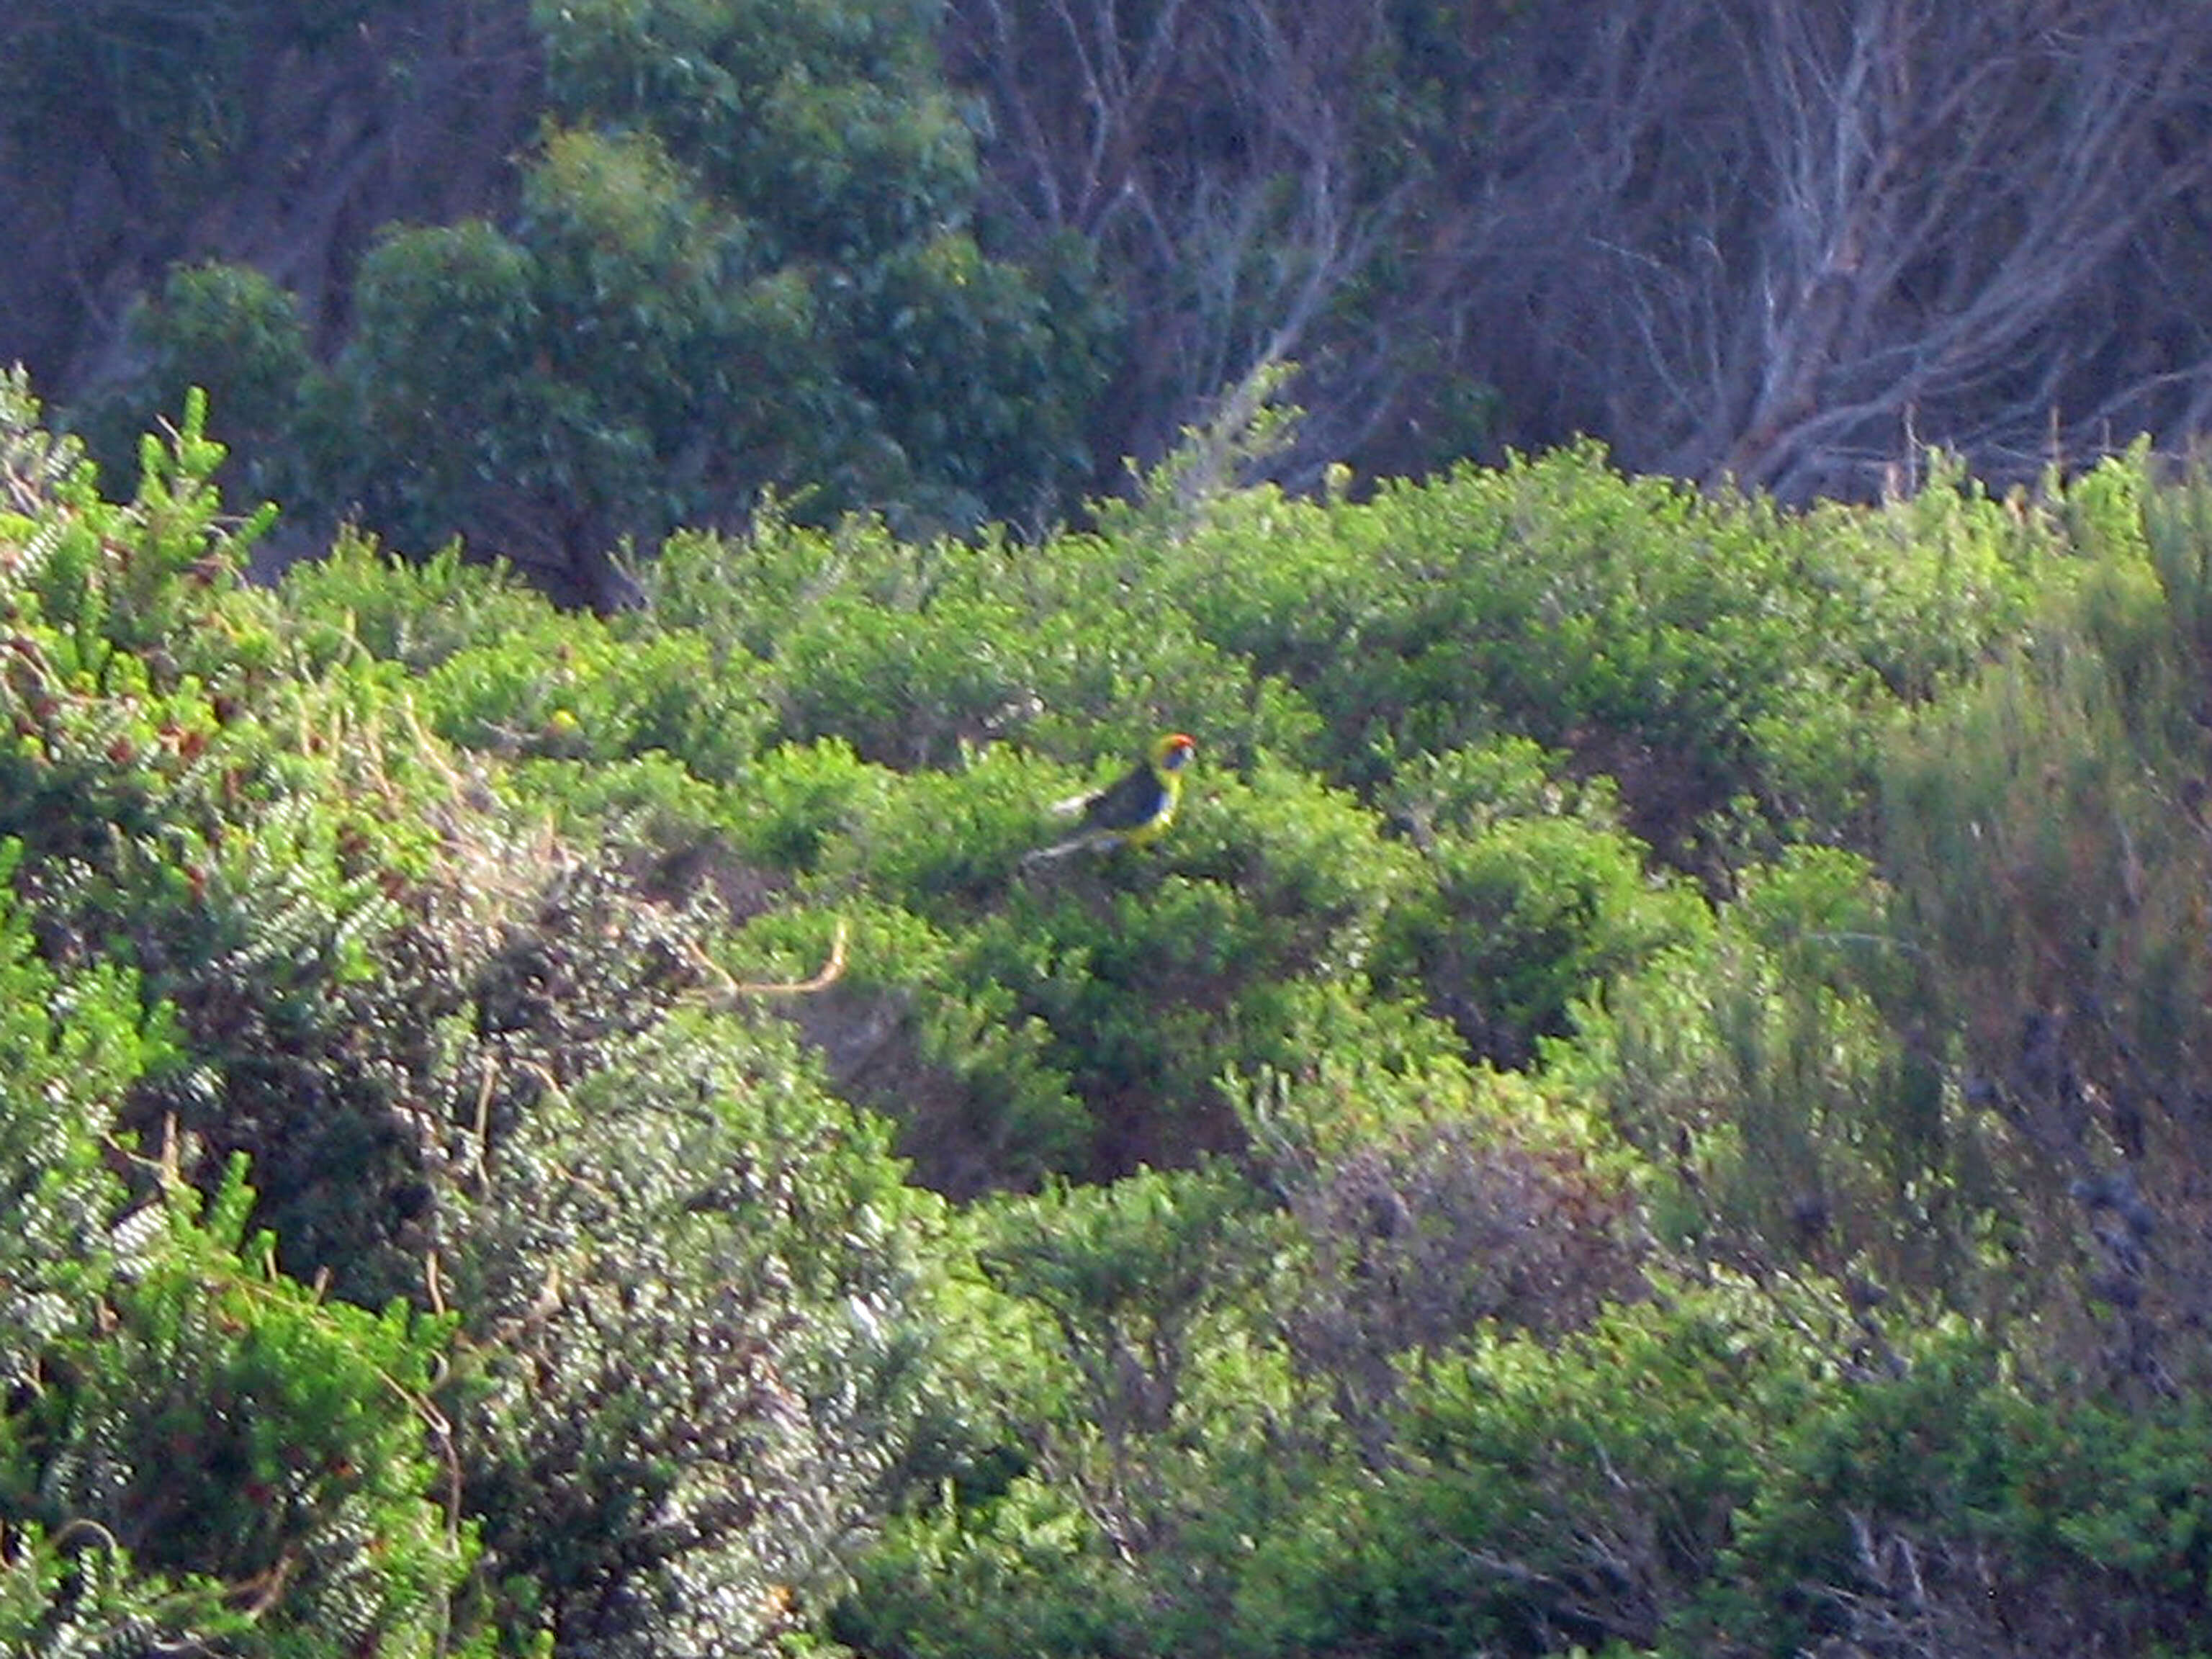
point(1648, 1104)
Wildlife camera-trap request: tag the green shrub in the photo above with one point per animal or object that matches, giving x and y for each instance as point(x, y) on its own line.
point(1527, 918)
point(575, 689)
point(1786, 1120)
point(976, 1087)
point(1697, 647)
point(268, 1467)
point(2044, 831)
point(800, 798)
point(916, 652)
point(708, 1303)
point(1543, 1495)
point(1425, 1209)
point(1949, 1505)
point(72, 1044)
point(604, 990)
point(1105, 1538)
point(385, 986)
point(360, 600)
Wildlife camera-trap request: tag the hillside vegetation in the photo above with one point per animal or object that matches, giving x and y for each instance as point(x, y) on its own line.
point(1651, 1103)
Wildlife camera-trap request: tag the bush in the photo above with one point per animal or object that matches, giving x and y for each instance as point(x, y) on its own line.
point(391, 992)
point(1785, 1119)
point(72, 1044)
point(2044, 830)
point(1525, 917)
point(275, 1459)
point(1388, 1213)
point(707, 1302)
point(1469, 1205)
point(1697, 648)
point(1136, 1407)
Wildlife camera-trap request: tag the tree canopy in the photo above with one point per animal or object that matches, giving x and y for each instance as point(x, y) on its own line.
point(955, 262)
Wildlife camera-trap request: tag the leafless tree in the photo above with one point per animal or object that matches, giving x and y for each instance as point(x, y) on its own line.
point(1780, 242)
point(1209, 152)
point(1773, 240)
point(1824, 223)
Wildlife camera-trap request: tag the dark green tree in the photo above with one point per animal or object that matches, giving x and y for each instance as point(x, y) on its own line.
point(742, 256)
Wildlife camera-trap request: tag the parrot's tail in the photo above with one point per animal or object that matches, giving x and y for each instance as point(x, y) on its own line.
point(1058, 850)
point(1105, 842)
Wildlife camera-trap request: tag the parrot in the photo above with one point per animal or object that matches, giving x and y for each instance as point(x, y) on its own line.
point(1136, 808)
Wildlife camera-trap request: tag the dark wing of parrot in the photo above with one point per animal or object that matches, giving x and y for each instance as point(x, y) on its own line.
point(1136, 798)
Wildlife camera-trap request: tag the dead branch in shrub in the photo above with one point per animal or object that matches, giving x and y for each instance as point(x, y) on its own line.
point(833, 970)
